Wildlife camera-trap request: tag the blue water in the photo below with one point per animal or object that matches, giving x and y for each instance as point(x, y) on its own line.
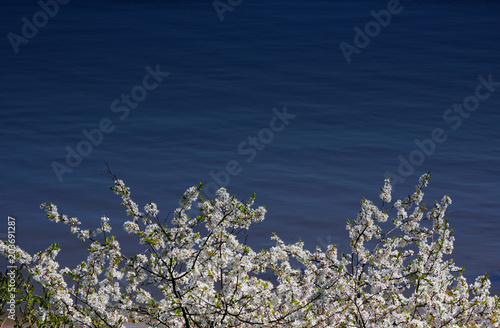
point(353, 121)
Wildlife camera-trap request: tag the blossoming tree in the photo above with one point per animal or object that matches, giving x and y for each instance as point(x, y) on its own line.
point(199, 272)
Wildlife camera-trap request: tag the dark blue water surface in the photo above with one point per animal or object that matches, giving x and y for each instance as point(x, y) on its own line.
point(355, 122)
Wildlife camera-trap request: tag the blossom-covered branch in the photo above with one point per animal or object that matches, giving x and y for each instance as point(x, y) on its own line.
point(199, 272)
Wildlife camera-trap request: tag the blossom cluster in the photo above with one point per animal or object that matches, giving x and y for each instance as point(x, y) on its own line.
point(199, 271)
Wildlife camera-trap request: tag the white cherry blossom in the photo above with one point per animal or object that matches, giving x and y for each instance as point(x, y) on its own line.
point(199, 271)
